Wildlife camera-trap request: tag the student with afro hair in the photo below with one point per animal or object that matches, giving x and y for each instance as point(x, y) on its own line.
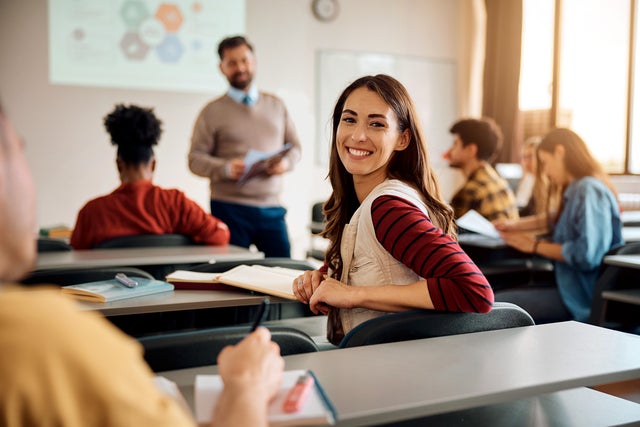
point(138, 206)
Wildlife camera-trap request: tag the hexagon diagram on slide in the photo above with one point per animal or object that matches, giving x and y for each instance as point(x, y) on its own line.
point(133, 47)
point(170, 50)
point(170, 16)
point(133, 12)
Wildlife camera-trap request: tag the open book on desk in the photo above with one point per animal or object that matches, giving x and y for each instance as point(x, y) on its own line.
point(112, 290)
point(275, 281)
point(316, 410)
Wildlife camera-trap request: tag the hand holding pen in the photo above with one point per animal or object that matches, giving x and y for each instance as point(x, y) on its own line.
point(263, 311)
point(253, 366)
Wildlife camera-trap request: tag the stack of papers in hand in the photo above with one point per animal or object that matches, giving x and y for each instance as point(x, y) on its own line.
point(257, 162)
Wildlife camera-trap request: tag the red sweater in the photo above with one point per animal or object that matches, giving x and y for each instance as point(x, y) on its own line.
point(143, 208)
point(455, 283)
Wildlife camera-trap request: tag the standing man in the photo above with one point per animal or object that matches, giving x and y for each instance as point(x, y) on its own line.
point(475, 144)
point(227, 128)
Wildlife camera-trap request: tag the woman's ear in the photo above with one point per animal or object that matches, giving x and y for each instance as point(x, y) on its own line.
point(403, 140)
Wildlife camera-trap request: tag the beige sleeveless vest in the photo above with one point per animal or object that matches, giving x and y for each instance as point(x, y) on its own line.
point(365, 261)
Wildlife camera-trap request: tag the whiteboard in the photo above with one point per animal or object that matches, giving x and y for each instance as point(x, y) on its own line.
point(430, 82)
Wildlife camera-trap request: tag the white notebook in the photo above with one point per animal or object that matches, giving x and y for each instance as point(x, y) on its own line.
point(317, 409)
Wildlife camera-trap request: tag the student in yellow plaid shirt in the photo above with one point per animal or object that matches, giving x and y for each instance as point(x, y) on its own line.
point(476, 142)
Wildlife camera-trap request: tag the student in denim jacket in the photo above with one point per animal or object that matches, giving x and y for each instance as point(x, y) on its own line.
point(583, 227)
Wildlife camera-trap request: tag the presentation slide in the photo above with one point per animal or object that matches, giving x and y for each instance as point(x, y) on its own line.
point(141, 44)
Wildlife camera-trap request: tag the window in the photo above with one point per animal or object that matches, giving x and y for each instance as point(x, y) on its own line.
point(589, 90)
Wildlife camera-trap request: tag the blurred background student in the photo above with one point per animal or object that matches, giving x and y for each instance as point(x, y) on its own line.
point(583, 228)
point(476, 142)
point(531, 190)
point(138, 206)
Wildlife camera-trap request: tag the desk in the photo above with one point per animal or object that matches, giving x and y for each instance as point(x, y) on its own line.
point(413, 379)
point(481, 241)
point(630, 218)
point(504, 266)
point(631, 261)
point(631, 234)
point(142, 256)
point(177, 301)
point(623, 292)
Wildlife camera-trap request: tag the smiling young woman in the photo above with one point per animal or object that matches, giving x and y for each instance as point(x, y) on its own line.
point(392, 245)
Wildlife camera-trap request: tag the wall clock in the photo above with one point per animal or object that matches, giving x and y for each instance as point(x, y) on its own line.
point(325, 10)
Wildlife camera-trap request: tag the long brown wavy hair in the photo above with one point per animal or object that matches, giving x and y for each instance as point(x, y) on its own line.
point(410, 165)
point(579, 163)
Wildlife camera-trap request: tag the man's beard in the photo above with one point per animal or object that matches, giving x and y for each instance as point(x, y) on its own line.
point(240, 84)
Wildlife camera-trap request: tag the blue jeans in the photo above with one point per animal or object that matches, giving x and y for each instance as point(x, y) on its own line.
point(264, 227)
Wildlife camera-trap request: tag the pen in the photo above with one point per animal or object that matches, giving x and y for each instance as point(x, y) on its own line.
point(127, 281)
point(298, 394)
point(262, 314)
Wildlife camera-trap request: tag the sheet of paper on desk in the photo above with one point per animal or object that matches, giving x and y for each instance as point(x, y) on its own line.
point(317, 409)
point(475, 222)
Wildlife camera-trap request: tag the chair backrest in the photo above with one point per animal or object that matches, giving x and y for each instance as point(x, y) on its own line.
point(614, 277)
point(146, 240)
point(188, 349)
point(222, 266)
point(48, 244)
point(317, 218)
point(74, 276)
point(418, 324)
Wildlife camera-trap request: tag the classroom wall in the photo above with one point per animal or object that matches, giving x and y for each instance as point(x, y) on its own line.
point(69, 151)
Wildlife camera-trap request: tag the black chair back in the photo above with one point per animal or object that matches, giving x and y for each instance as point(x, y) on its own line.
point(418, 324)
point(48, 244)
point(74, 276)
point(188, 349)
point(146, 240)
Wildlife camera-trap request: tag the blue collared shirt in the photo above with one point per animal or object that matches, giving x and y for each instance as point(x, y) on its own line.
point(589, 227)
point(239, 95)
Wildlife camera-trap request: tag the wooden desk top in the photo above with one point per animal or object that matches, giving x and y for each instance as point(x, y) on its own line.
point(631, 261)
point(413, 379)
point(142, 256)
